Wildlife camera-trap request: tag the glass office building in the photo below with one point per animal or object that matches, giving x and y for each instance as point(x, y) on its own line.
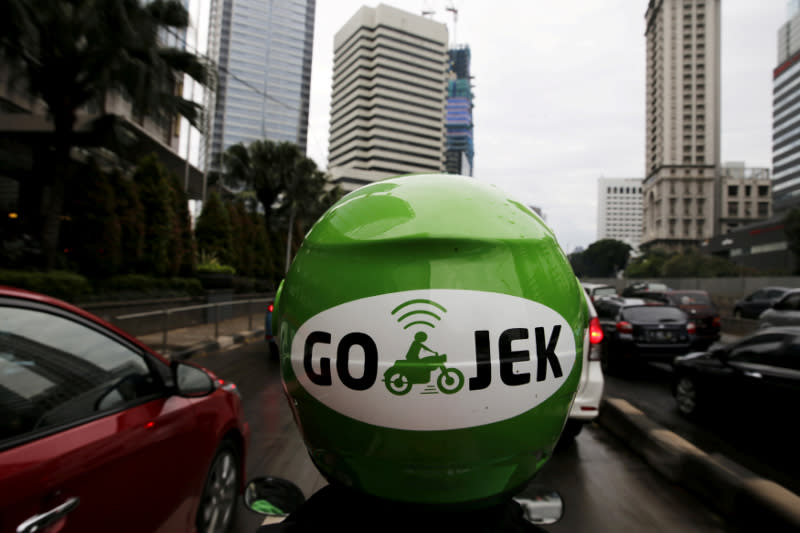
point(263, 51)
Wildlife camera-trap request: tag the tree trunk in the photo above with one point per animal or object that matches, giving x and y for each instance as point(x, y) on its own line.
point(53, 193)
point(289, 240)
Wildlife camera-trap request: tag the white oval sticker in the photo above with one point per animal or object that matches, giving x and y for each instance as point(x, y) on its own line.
point(434, 359)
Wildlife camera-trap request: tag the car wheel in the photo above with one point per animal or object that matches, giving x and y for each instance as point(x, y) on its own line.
point(273, 350)
point(686, 396)
point(217, 508)
point(572, 429)
point(608, 361)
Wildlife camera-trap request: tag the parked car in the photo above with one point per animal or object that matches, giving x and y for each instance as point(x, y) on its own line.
point(639, 330)
point(785, 312)
point(98, 432)
point(639, 287)
point(701, 309)
point(758, 376)
point(586, 406)
point(598, 290)
point(755, 303)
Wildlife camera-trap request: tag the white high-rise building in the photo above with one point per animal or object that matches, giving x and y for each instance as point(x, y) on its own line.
point(389, 95)
point(785, 120)
point(619, 210)
point(682, 122)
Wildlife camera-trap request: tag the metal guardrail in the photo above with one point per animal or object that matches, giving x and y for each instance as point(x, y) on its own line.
point(220, 309)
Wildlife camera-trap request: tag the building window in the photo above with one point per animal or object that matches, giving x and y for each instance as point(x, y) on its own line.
point(733, 209)
point(763, 190)
point(733, 190)
point(763, 209)
point(747, 190)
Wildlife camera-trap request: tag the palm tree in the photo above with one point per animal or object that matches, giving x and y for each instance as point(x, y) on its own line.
point(292, 191)
point(72, 53)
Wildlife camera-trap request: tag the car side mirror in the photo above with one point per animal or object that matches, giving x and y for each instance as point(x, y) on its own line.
point(191, 381)
point(273, 496)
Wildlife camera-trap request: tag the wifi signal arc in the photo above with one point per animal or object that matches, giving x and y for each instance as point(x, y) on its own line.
point(415, 315)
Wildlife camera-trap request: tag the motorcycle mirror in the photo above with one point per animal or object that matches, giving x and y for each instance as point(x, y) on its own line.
point(542, 506)
point(272, 496)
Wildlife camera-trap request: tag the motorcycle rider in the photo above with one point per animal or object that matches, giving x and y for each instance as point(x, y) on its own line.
point(511, 317)
point(417, 346)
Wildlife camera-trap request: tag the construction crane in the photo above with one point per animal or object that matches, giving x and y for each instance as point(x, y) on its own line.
point(452, 8)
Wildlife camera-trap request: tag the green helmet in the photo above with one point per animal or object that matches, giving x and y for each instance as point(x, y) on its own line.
point(429, 330)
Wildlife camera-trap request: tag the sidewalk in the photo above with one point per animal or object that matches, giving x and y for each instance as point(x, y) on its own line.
point(184, 343)
point(740, 496)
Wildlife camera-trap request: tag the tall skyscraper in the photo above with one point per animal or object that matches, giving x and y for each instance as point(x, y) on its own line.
point(459, 147)
point(682, 121)
point(388, 97)
point(619, 210)
point(785, 120)
point(263, 51)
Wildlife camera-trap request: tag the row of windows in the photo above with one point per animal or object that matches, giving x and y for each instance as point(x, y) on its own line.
point(624, 190)
point(733, 209)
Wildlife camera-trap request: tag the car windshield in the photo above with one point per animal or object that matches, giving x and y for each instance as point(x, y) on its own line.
point(653, 314)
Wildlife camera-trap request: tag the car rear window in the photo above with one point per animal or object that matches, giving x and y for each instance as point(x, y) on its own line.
point(683, 298)
point(651, 313)
point(605, 291)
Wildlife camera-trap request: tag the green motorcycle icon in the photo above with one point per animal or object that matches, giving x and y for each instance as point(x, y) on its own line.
point(403, 374)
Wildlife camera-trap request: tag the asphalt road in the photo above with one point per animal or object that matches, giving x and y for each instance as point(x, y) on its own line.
point(746, 445)
point(605, 487)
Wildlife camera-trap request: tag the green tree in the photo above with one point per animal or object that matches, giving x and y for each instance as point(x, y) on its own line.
point(265, 167)
point(92, 240)
point(289, 186)
point(213, 231)
point(131, 216)
point(648, 265)
point(72, 53)
point(603, 258)
point(155, 197)
point(182, 247)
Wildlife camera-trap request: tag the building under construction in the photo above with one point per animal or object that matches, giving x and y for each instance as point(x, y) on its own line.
point(459, 147)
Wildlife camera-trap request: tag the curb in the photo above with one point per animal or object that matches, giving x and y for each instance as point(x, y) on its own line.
point(748, 501)
point(214, 346)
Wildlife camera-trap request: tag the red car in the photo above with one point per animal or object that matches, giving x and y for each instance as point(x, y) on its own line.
point(100, 433)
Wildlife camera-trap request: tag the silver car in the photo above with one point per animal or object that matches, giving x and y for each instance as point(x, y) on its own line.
point(785, 312)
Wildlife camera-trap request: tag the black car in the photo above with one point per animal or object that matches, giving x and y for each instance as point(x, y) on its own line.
point(701, 310)
point(638, 330)
point(757, 377)
point(753, 305)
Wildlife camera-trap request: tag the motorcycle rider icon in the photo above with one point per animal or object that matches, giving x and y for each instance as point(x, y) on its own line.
point(415, 370)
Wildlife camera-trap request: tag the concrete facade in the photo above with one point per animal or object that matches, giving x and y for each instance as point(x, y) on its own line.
point(785, 119)
point(619, 210)
point(388, 98)
point(682, 121)
point(745, 196)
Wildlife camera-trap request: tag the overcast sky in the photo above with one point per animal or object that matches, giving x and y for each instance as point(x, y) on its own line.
point(559, 93)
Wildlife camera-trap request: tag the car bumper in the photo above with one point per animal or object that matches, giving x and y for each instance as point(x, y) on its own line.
point(652, 352)
point(587, 401)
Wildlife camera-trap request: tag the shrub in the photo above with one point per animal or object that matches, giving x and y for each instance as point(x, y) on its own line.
point(56, 283)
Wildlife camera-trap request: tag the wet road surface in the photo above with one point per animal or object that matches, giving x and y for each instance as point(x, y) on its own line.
point(605, 487)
